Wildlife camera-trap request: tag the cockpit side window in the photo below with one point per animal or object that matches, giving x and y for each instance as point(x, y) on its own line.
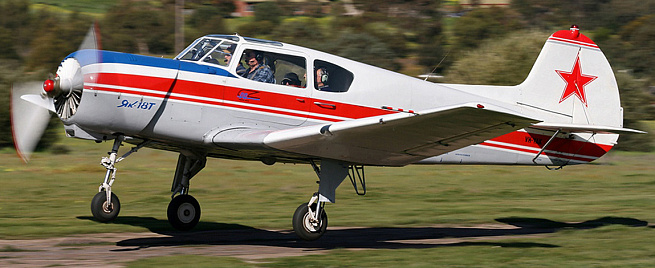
point(275, 68)
point(331, 77)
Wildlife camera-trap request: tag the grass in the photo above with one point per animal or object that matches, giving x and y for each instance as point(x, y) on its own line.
point(83, 6)
point(190, 261)
point(51, 196)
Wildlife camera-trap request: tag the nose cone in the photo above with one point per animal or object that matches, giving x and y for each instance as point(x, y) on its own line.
point(49, 85)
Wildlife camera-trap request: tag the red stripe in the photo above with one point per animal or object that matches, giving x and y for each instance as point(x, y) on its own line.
point(533, 152)
point(217, 103)
point(561, 145)
point(268, 100)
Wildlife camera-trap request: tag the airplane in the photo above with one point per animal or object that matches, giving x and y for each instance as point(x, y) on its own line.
point(345, 116)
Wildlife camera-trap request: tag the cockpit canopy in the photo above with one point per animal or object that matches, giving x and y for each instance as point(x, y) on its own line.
point(285, 66)
point(216, 49)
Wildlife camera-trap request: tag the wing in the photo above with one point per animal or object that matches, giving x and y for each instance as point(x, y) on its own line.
point(397, 139)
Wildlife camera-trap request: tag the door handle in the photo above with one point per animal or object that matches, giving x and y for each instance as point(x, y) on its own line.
point(325, 105)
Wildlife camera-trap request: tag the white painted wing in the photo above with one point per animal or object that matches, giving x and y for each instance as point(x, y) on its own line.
point(402, 138)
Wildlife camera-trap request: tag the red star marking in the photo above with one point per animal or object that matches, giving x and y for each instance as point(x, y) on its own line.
point(575, 82)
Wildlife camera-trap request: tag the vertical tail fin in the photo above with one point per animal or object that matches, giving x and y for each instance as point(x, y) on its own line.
point(572, 81)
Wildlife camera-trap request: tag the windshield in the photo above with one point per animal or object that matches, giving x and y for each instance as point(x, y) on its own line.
point(210, 50)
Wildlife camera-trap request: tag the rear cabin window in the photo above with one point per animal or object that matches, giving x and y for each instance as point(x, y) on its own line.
point(331, 78)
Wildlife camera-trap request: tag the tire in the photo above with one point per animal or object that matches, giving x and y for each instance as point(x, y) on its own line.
point(183, 212)
point(104, 213)
point(304, 228)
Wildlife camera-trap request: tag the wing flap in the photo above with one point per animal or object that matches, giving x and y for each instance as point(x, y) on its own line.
point(586, 128)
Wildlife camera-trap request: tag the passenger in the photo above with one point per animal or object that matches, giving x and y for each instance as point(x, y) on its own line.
point(258, 71)
point(228, 56)
point(291, 79)
point(322, 78)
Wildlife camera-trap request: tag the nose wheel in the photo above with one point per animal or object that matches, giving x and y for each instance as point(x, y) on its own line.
point(105, 205)
point(183, 212)
point(104, 211)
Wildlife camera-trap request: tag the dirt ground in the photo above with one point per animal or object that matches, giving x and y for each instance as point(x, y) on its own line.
point(116, 249)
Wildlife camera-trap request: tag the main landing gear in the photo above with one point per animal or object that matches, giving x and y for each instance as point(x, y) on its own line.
point(310, 219)
point(183, 210)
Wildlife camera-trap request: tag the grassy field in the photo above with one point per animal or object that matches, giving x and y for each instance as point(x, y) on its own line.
point(92, 7)
point(51, 197)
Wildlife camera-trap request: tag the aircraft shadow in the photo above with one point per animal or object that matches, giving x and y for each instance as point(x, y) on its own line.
point(210, 233)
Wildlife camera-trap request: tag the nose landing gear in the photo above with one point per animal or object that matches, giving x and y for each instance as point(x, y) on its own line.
point(105, 205)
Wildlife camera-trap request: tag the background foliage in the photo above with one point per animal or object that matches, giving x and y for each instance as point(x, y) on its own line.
point(481, 45)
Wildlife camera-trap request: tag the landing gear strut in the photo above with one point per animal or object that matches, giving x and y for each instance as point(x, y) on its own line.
point(105, 205)
point(184, 210)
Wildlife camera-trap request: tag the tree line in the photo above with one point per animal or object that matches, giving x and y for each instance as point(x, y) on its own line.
point(495, 45)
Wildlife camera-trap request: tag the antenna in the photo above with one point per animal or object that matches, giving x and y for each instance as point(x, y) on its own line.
point(435, 67)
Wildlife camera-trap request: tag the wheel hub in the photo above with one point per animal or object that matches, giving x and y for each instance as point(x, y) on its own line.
point(310, 224)
point(186, 213)
point(107, 207)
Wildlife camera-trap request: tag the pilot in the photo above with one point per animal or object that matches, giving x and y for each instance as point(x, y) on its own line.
point(258, 71)
point(291, 79)
point(322, 78)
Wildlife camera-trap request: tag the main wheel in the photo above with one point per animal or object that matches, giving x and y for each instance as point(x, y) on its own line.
point(102, 211)
point(303, 225)
point(183, 212)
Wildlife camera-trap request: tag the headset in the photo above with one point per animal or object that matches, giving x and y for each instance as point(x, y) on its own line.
point(258, 56)
point(324, 74)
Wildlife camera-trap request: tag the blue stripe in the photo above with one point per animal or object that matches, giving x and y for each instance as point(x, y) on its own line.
point(90, 56)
